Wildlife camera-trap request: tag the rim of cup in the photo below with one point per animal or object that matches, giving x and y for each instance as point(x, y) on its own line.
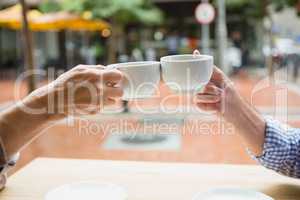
point(194, 58)
point(132, 64)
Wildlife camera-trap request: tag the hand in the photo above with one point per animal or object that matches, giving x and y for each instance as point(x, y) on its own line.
point(218, 94)
point(221, 96)
point(83, 90)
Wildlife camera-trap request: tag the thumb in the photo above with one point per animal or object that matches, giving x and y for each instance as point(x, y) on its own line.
point(218, 77)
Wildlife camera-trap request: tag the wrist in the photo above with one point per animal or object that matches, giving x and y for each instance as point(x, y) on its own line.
point(232, 104)
point(21, 123)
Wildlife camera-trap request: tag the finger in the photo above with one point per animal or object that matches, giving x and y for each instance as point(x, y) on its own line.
point(211, 89)
point(218, 72)
point(79, 68)
point(106, 77)
point(86, 67)
point(111, 92)
point(111, 77)
point(207, 106)
point(98, 67)
point(92, 73)
point(206, 98)
point(218, 77)
point(110, 101)
point(87, 74)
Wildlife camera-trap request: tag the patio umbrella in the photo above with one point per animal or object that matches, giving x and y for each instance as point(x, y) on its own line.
point(19, 17)
point(67, 21)
point(52, 21)
point(13, 14)
point(12, 18)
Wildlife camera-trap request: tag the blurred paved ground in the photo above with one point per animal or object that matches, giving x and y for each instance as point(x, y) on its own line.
point(197, 145)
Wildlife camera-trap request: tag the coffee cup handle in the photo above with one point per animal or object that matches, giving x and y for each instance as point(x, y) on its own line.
point(196, 52)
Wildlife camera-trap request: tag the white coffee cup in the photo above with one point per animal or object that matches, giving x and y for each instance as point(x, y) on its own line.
point(141, 79)
point(187, 73)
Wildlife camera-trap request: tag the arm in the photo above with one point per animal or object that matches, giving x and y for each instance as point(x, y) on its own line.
point(82, 90)
point(273, 146)
point(18, 127)
point(247, 121)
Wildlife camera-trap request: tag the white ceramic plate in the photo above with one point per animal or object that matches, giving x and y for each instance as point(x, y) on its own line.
point(87, 190)
point(231, 194)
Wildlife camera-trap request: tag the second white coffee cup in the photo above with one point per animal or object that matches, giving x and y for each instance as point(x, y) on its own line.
point(187, 73)
point(140, 80)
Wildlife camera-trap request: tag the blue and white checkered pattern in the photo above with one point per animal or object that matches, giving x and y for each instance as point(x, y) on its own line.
point(281, 149)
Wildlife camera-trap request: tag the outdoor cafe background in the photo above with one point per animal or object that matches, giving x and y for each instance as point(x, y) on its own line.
point(149, 35)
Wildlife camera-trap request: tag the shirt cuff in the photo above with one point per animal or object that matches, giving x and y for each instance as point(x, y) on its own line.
point(277, 151)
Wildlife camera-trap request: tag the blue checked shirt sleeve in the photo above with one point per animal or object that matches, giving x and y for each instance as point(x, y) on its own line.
point(281, 149)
